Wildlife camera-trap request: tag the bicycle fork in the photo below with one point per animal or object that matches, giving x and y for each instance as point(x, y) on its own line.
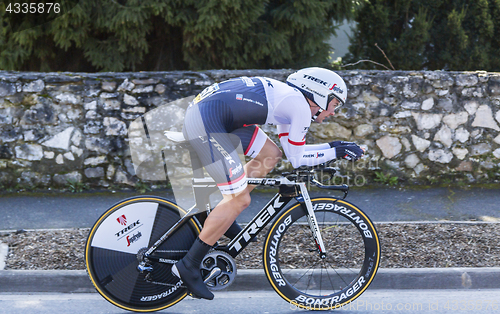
point(311, 219)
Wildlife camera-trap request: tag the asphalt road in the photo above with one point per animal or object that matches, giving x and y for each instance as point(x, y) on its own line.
point(371, 302)
point(67, 210)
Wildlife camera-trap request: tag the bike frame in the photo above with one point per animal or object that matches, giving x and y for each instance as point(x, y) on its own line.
point(203, 187)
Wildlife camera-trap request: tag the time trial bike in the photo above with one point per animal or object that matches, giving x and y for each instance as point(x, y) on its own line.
point(319, 253)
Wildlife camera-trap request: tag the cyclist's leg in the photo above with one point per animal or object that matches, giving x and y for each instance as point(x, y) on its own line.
point(217, 152)
point(223, 215)
point(265, 154)
point(228, 172)
point(226, 169)
point(221, 218)
point(236, 193)
point(205, 129)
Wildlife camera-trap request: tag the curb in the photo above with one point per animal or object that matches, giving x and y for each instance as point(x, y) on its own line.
point(4, 249)
point(77, 281)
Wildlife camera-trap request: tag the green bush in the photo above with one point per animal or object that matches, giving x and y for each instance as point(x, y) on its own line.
point(154, 35)
point(429, 34)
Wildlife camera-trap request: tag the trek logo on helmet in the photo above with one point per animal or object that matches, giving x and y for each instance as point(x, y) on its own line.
point(317, 80)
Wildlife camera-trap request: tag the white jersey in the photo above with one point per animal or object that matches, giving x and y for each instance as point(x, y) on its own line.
point(289, 110)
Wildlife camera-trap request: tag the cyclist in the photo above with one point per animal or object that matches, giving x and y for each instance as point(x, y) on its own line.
point(235, 108)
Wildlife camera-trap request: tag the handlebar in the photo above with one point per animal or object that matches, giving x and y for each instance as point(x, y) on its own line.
point(344, 187)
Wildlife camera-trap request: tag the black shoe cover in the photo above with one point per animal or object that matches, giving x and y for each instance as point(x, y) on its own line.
point(193, 281)
point(188, 269)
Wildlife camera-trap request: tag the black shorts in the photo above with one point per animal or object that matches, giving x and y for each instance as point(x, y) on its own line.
point(209, 127)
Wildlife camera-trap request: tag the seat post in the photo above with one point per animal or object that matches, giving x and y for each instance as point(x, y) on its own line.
point(196, 164)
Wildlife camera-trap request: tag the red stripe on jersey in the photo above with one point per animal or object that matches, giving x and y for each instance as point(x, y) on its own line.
point(233, 181)
point(296, 143)
point(252, 140)
point(283, 134)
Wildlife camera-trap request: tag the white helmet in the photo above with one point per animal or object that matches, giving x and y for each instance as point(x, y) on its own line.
point(319, 85)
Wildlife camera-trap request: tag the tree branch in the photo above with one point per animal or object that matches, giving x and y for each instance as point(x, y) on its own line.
point(350, 64)
point(376, 45)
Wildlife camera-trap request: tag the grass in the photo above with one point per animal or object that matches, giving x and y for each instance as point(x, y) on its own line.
point(75, 186)
point(386, 179)
point(142, 187)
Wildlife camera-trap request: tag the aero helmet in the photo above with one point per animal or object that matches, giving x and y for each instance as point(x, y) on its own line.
point(319, 85)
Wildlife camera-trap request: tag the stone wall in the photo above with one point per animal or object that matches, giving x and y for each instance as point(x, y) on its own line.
point(60, 129)
point(423, 127)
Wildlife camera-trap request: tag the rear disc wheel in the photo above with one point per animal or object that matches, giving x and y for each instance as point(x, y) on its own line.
point(117, 242)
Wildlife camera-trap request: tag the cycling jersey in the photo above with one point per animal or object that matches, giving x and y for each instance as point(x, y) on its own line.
point(232, 109)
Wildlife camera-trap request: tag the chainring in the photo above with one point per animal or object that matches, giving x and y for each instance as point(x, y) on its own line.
point(218, 270)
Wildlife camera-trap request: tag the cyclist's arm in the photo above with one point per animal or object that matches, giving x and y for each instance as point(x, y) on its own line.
point(312, 147)
point(295, 111)
point(300, 154)
point(285, 131)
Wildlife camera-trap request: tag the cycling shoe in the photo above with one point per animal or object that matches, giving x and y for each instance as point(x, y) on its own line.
point(193, 281)
point(188, 270)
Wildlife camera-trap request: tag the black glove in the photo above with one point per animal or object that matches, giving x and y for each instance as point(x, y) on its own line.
point(349, 152)
point(338, 143)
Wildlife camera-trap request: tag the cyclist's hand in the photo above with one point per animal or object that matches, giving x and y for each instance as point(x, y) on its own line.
point(338, 143)
point(349, 152)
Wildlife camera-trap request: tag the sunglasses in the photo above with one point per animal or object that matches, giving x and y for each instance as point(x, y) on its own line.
point(339, 104)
